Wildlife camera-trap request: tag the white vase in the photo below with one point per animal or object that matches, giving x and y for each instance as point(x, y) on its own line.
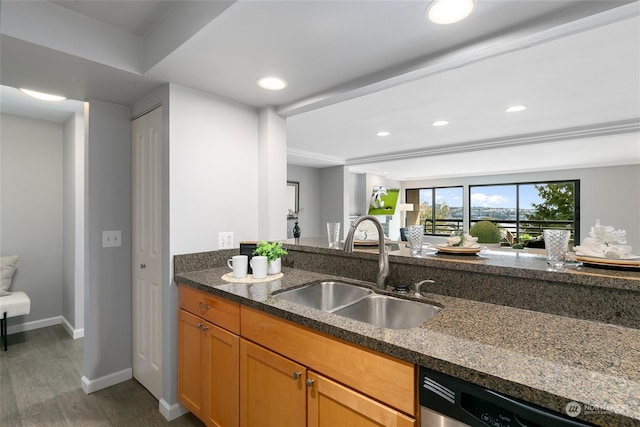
point(274, 266)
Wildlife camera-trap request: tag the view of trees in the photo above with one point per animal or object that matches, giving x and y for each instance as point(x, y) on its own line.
point(557, 202)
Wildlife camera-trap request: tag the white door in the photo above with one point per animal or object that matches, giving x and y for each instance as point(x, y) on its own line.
point(146, 139)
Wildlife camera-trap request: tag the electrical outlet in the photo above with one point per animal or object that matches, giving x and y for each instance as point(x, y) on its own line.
point(111, 239)
point(225, 240)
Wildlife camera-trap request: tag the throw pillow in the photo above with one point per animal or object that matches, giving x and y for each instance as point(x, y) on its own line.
point(7, 268)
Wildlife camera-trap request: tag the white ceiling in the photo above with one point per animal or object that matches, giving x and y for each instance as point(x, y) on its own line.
point(19, 103)
point(356, 67)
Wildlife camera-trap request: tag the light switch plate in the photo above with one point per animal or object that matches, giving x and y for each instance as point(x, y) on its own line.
point(225, 240)
point(111, 239)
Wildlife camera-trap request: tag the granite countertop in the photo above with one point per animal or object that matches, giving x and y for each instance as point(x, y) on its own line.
point(525, 263)
point(544, 359)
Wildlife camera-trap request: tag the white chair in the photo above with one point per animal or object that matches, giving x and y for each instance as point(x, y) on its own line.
point(15, 304)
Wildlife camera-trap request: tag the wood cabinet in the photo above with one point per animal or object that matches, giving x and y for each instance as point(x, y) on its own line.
point(278, 392)
point(191, 363)
point(332, 404)
point(381, 377)
point(208, 358)
point(238, 366)
point(272, 389)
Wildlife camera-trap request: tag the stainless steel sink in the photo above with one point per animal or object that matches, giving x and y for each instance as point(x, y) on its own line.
point(325, 296)
point(361, 304)
point(389, 312)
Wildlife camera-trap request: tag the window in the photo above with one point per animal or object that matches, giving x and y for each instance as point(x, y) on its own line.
point(523, 210)
point(440, 209)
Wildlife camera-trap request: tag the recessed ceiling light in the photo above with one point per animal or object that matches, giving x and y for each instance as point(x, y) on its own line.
point(43, 96)
point(516, 108)
point(383, 133)
point(449, 11)
point(440, 123)
point(272, 83)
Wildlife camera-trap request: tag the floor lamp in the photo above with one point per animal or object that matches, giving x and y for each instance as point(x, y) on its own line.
point(405, 207)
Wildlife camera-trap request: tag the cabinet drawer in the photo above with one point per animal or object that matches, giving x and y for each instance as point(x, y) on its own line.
point(216, 310)
point(379, 376)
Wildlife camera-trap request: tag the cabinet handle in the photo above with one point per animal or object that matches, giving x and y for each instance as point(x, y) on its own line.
point(203, 307)
point(199, 325)
point(143, 265)
point(310, 383)
point(205, 327)
point(297, 375)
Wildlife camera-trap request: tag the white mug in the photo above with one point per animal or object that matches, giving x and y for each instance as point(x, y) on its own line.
point(239, 265)
point(259, 266)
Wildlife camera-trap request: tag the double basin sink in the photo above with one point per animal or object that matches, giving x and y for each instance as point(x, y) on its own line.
point(361, 304)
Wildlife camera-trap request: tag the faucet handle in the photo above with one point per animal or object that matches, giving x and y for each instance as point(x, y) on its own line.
point(418, 287)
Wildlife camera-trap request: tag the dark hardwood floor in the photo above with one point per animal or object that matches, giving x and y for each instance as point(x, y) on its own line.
point(40, 386)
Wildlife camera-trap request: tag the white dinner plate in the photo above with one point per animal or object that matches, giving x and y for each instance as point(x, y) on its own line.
point(607, 262)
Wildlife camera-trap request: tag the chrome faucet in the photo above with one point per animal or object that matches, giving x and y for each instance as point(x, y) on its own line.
point(383, 257)
point(418, 287)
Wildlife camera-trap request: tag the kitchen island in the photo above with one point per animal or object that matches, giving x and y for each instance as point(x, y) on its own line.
point(543, 358)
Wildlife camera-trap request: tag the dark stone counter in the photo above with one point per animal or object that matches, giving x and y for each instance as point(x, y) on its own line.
point(533, 355)
point(509, 277)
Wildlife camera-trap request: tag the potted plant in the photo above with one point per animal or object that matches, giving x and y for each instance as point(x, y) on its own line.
point(486, 232)
point(273, 251)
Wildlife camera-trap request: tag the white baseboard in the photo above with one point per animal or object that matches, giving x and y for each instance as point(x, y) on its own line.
point(36, 324)
point(73, 333)
point(90, 386)
point(43, 323)
point(171, 412)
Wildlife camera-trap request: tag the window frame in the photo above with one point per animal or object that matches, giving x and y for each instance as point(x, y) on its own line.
point(432, 202)
point(576, 203)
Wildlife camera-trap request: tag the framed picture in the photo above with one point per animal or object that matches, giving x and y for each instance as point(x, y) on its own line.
point(383, 201)
point(293, 199)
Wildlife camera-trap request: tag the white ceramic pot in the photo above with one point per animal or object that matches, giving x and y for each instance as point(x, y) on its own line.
point(275, 266)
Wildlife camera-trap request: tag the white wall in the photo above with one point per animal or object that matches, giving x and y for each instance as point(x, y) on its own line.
point(609, 193)
point(31, 213)
point(272, 175)
point(309, 179)
point(214, 170)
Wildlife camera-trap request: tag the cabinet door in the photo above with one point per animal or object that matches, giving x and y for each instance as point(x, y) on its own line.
point(272, 389)
point(223, 352)
point(191, 363)
point(331, 404)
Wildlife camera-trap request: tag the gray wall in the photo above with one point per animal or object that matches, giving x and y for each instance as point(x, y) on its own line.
point(31, 212)
point(69, 225)
point(69, 219)
point(334, 198)
point(108, 288)
point(309, 179)
point(357, 194)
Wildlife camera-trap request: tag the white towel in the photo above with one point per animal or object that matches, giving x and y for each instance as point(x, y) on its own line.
point(596, 247)
point(468, 241)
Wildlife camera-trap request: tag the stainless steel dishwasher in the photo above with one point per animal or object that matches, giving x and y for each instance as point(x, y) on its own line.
point(450, 402)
